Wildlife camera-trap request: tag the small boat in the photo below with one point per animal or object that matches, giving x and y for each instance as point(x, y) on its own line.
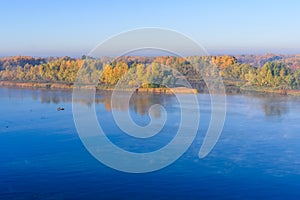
point(60, 108)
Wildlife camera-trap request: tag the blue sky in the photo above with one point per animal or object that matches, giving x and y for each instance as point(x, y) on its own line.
point(73, 28)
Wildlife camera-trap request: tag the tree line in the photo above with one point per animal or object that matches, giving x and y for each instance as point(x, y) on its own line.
point(144, 71)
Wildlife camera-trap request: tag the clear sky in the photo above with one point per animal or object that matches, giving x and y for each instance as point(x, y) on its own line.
point(73, 28)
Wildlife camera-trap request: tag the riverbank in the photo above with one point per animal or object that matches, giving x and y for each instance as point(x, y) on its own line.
point(179, 90)
point(36, 85)
point(288, 92)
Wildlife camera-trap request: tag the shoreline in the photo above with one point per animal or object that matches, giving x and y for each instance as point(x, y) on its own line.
point(67, 86)
point(179, 90)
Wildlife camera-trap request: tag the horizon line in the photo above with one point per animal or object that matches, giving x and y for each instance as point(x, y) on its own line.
point(157, 55)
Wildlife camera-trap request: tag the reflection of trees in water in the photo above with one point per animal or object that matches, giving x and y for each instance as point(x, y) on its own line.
point(139, 103)
point(271, 104)
point(50, 96)
point(275, 106)
point(142, 103)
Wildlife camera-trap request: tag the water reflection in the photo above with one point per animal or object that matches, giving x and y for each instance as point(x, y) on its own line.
point(275, 108)
point(139, 102)
point(271, 105)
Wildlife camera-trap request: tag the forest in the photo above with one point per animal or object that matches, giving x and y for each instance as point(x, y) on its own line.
point(273, 72)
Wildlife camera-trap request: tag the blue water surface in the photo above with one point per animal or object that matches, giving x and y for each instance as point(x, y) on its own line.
point(42, 157)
